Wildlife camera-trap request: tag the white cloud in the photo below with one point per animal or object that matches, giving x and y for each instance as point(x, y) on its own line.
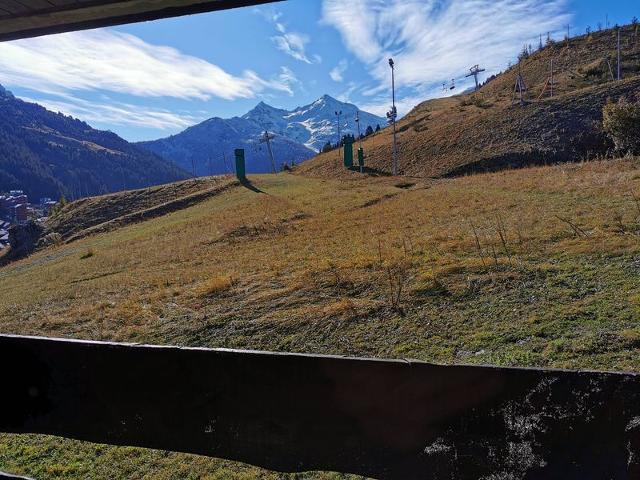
point(433, 41)
point(337, 72)
point(288, 78)
point(117, 113)
point(119, 62)
point(346, 95)
point(293, 44)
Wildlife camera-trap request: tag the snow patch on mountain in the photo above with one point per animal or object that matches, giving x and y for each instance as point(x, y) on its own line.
point(315, 124)
point(207, 148)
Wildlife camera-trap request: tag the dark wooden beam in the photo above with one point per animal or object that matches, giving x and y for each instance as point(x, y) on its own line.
point(81, 15)
point(292, 413)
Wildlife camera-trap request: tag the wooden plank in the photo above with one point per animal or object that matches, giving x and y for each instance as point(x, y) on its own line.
point(16, 8)
point(63, 3)
point(35, 5)
point(94, 14)
point(6, 476)
point(293, 413)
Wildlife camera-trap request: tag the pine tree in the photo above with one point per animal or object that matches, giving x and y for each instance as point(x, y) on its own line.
point(378, 128)
point(368, 131)
point(524, 53)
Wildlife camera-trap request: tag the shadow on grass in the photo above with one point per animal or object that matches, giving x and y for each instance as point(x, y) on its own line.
point(374, 172)
point(246, 183)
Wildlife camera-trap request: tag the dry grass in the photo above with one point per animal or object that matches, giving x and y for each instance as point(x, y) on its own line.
point(477, 269)
point(214, 286)
point(485, 131)
point(307, 244)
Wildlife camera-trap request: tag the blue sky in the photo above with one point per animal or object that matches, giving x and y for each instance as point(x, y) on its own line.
point(154, 79)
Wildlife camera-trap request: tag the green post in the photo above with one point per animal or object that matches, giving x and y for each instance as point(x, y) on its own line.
point(348, 151)
point(240, 168)
point(361, 159)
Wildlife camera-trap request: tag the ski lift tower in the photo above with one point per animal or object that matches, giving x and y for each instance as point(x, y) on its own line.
point(266, 138)
point(520, 87)
point(474, 72)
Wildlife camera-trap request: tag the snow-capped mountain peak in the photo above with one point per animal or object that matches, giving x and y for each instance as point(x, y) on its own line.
point(315, 124)
point(208, 147)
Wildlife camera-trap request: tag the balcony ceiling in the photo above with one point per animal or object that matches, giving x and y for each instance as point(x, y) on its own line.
point(32, 18)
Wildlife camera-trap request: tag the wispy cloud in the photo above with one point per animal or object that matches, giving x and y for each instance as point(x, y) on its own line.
point(288, 78)
point(293, 44)
point(435, 40)
point(337, 72)
point(346, 95)
point(118, 62)
point(118, 113)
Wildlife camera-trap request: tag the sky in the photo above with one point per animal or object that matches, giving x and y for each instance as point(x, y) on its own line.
point(154, 79)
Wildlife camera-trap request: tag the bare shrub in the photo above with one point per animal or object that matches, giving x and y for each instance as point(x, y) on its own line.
point(397, 277)
point(621, 121)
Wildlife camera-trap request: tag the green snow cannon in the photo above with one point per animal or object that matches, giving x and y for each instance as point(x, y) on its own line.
point(240, 166)
point(361, 159)
point(347, 142)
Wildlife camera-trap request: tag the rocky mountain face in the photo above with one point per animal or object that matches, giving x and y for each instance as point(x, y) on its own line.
point(49, 154)
point(316, 124)
point(207, 148)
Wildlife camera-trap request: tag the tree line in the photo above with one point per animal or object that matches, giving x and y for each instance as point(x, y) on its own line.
point(331, 146)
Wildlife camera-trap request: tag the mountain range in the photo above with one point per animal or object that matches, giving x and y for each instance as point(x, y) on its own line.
point(49, 154)
point(207, 148)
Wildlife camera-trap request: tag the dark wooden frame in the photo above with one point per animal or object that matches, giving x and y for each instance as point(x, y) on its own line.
point(388, 419)
point(103, 13)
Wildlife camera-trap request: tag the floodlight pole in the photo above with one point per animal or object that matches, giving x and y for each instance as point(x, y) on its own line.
point(266, 138)
point(358, 123)
point(619, 66)
point(338, 113)
point(552, 77)
point(394, 165)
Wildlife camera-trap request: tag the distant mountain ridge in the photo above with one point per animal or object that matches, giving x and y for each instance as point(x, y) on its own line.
point(315, 124)
point(299, 134)
point(49, 154)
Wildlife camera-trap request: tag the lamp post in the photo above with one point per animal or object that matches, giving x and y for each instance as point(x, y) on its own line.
point(392, 115)
point(358, 123)
point(338, 113)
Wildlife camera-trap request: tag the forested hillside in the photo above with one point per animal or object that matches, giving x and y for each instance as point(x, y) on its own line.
point(51, 154)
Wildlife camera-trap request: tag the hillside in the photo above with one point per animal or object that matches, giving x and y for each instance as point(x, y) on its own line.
point(530, 267)
point(51, 154)
point(488, 131)
point(91, 215)
point(208, 147)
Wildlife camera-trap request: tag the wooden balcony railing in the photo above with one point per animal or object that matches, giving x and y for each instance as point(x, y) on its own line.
point(292, 413)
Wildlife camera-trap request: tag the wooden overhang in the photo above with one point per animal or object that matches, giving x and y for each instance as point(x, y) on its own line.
point(32, 18)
